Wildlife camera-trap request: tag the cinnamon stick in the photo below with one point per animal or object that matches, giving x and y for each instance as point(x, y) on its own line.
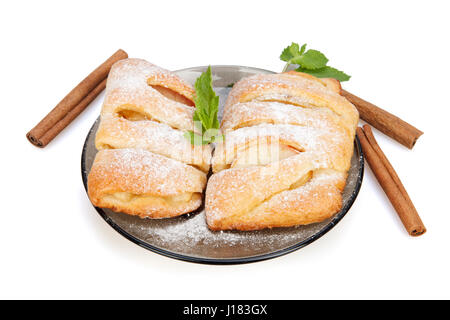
point(390, 182)
point(384, 121)
point(73, 103)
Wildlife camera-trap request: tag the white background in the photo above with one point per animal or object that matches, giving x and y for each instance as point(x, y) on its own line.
point(54, 245)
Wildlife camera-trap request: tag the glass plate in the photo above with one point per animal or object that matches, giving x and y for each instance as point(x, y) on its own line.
point(188, 238)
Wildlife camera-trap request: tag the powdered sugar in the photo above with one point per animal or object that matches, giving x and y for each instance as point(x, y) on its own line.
point(132, 73)
point(190, 234)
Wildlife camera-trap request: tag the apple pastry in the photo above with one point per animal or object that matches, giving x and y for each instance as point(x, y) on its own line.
point(145, 166)
point(286, 153)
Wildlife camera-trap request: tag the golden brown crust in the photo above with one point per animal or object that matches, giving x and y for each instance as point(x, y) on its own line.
point(311, 128)
point(142, 183)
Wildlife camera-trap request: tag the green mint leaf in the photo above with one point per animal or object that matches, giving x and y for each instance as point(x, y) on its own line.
point(326, 72)
point(311, 59)
point(290, 52)
point(302, 49)
point(210, 134)
point(195, 138)
point(313, 62)
point(197, 122)
point(191, 136)
point(216, 124)
point(206, 109)
point(218, 138)
point(206, 101)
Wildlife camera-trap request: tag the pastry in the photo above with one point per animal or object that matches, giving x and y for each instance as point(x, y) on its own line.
point(145, 166)
point(286, 153)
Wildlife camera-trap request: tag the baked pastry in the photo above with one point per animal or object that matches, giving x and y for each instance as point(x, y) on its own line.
point(145, 166)
point(286, 153)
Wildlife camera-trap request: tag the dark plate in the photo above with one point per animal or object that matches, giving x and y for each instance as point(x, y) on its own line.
point(188, 238)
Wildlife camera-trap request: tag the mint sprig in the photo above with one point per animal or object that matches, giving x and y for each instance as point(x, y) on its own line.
point(311, 61)
point(206, 129)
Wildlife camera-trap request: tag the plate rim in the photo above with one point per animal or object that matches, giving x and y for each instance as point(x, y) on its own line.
point(227, 261)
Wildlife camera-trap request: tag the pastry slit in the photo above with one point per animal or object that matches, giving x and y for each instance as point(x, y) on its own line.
point(253, 123)
point(173, 95)
point(128, 197)
point(291, 103)
point(280, 101)
point(132, 113)
point(262, 153)
point(198, 167)
point(105, 146)
point(300, 182)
